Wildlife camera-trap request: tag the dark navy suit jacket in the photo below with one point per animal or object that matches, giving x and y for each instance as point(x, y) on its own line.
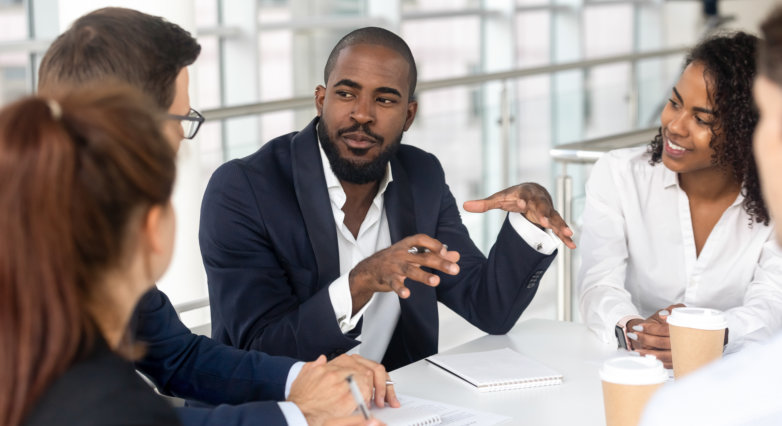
point(244, 385)
point(269, 245)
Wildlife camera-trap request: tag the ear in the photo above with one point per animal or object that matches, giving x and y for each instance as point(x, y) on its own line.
point(152, 229)
point(412, 108)
point(320, 95)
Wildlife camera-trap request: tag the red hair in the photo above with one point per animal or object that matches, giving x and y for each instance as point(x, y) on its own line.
point(72, 172)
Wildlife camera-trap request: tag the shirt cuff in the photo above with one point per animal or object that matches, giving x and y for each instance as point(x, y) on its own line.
point(625, 319)
point(293, 416)
point(339, 293)
point(293, 373)
point(545, 242)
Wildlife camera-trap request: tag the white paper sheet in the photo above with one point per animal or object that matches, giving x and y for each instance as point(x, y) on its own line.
point(422, 409)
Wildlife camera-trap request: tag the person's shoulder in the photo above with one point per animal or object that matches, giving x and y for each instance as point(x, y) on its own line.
point(270, 151)
point(633, 156)
point(410, 155)
point(272, 158)
point(102, 389)
point(743, 388)
point(626, 163)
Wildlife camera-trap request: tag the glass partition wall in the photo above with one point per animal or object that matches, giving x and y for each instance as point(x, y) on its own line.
point(501, 82)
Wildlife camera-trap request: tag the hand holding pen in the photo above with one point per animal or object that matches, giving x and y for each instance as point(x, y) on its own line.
point(387, 269)
point(357, 420)
point(371, 378)
point(323, 396)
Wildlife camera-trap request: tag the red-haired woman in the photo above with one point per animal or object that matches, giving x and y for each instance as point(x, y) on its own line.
point(87, 227)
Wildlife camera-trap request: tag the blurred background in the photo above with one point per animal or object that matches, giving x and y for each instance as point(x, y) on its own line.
point(509, 91)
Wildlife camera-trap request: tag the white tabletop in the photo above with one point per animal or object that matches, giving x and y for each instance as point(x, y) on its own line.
point(567, 347)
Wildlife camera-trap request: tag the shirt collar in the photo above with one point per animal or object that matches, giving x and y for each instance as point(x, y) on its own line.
point(670, 178)
point(332, 181)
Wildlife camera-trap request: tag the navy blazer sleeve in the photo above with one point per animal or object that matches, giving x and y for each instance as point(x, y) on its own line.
point(260, 301)
point(264, 284)
point(249, 414)
point(191, 366)
point(489, 293)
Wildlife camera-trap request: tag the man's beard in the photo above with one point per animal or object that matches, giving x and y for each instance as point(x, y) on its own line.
point(353, 171)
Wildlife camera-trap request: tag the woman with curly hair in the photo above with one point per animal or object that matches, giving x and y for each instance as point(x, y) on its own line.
point(682, 222)
point(743, 389)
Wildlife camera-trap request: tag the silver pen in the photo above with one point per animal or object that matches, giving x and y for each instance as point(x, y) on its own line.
point(358, 397)
point(421, 250)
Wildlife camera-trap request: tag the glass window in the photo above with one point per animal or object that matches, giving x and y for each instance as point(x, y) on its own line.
point(15, 78)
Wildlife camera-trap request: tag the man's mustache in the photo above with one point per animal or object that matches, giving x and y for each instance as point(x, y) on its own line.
point(364, 128)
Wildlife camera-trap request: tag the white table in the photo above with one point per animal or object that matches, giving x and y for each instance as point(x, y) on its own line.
point(567, 347)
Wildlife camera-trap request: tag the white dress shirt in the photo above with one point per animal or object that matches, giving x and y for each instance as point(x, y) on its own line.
point(744, 388)
point(291, 412)
point(638, 253)
point(381, 313)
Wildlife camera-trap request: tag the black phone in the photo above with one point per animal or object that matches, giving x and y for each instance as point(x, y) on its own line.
point(620, 337)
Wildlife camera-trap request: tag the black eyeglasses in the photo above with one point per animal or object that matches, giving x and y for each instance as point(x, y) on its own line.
point(190, 122)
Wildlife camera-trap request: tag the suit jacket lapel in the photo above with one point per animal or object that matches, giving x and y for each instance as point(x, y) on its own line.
point(312, 194)
point(398, 200)
point(416, 333)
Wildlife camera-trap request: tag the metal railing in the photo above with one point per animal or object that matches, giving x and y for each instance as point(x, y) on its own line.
point(584, 152)
point(191, 305)
point(297, 102)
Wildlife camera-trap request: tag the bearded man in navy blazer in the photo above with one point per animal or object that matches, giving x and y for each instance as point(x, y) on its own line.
point(339, 236)
point(152, 55)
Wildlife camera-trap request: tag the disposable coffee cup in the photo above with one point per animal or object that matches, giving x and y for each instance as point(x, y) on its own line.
point(628, 383)
point(697, 338)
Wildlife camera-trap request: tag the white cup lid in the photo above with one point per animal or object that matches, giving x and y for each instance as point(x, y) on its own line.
point(700, 318)
point(634, 370)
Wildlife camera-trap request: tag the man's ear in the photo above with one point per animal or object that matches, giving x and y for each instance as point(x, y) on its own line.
point(320, 95)
point(412, 108)
point(152, 230)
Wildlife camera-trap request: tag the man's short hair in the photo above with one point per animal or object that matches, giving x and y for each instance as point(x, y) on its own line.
point(119, 44)
point(376, 36)
point(770, 51)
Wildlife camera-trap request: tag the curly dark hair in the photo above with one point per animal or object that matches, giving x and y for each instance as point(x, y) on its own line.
point(729, 70)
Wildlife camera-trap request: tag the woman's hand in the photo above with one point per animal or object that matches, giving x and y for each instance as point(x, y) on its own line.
point(651, 336)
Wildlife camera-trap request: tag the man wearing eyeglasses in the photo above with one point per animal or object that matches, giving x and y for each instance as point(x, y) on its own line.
point(125, 45)
point(191, 123)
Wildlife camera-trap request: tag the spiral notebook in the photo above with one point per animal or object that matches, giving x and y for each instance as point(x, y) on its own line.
point(497, 370)
point(423, 412)
point(413, 412)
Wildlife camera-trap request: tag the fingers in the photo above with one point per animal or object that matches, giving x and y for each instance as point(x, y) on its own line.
point(320, 391)
point(363, 372)
point(437, 257)
point(434, 261)
point(356, 420)
point(383, 392)
point(560, 229)
point(477, 206)
point(649, 341)
point(541, 212)
point(531, 200)
point(664, 313)
point(423, 241)
point(391, 396)
point(651, 328)
point(397, 285)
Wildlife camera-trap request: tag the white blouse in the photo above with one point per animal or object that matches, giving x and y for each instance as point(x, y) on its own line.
point(638, 253)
